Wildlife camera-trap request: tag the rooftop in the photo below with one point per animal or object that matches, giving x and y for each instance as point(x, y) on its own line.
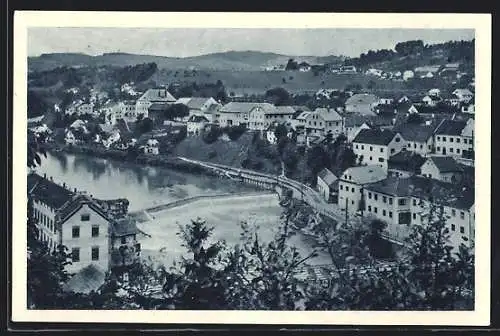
point(374, 136)
point(412, 132)
point(48, 191)
point(406, 160)
point(88, 279)
point(446, 164)
point(124, 227)
point(362, 98)
point(158, 94)
point(327, 176)
point(364, 174)
point(451, 127)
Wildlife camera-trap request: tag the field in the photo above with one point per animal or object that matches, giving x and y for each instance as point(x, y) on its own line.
point(257, 82)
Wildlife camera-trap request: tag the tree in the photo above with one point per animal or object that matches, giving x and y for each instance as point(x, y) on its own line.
point(176, 111)
point(144, 125)
point(409, 47)
point(35, 149)
point(278, 96)
point(292, 65)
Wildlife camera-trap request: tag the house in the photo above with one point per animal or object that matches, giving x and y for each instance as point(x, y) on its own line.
point(434, 92)
point(111, 112)
point(201, 106)
point(352, 183)
point(374, 146)
point(405, 164)
point(363, 103)
point(79, 108)
point(157, 112)
point(154, 95)
point(77, 221)
point(418, 138)
point(431, 100)
point(451, 99)
point(442, 168)
point(238, 113)
point(152, 146)
point(127, 111)
point(258, 117)
point(304, 67)
point(69, 137)
point(468, 107)
point(428, 71)
point(328, 185)
point(408, 74)
point(454, 137)
point(348, 69)
point(464, 95)
point(405, 202)
point(374, 72)
point(195, 124)
point(386, 100)
point(321, 122)
point(406, 108)
point(353, 123)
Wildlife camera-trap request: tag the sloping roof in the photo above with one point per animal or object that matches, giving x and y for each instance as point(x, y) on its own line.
point(374, 136)
point(302, 108)
point(283, 110)
point(124, 227)
point(428, 68)
point(352, 120)
point(158, 107)
point(88, 279)
point(446, 164)
point(362, 98)
point(406, 160)
point(194, 103)
point(197, 119)
point(47, 191)
point(327, 176)
point(451, 127)
point(75, 203)
point(378, 121)
point(304, 115)
point(425, 188)
point(404, 107)
point(364, 174)
point(328, 114)
point(418, 133)
point(239, 107)
point(158, 94)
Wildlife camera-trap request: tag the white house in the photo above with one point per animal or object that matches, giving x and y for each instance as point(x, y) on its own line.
point(154, 95)
point(201, 106)
point(418, 138)
point(464, 95)
point(327, 184)
point(363, 103)
point(434, 92)
point(78, 222)
point(442, 168)
point(258, 116)
point(454, 137)
point(69, 137)
point(468, 107)
point(196, 124)
point(405, 202)
point(236, 113)
point(152, 147)
point(431, 100)
point(374, 147)
point(353, 181)
point(408, 74)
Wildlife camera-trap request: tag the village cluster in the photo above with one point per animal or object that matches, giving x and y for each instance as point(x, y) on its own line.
point(408, 157)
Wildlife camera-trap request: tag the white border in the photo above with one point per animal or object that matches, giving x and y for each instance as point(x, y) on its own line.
point(480, 22)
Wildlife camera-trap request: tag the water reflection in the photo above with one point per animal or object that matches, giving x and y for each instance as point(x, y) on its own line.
point(143, 186)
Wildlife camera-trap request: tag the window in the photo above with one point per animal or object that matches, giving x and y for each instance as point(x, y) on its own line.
point(404, 217)
point(381, 150)
point(462, 229)
point(451, 139)
point(451, 149)
point(352, 189)
point(356, 146)
point(452, 227)
point(352, 202)
point(458, 140)
point(453, 212)
point(371, 148)
point(124, 240)
point(375, 209)
point(392, 150)
point(75, 232)
point(75, 254)
point(390, 214)
point(402, 201)
point(381, 160)
point(95, 253)
point(414, 202)
point(341, 187)
point(384, 199)
point(414, 145)
point(439, 138)
point(85, 217)
point(462, 215)
point(371, 158)
point(383, 213)
point(470, 141)
point(397, 139)
point(375, 196)
point(370, 208)
point(95, 230)
point(370, 195)
point(414, 216)
point(362, 147)
point(458, 150)
point(444, 139)
point(390, 200)
point(438, 148)
point(421, 146)
point(409, 145)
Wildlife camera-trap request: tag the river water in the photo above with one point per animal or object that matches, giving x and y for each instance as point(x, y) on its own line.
point(146, 186)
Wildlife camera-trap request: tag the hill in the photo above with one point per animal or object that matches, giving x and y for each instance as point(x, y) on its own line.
point(230, 60)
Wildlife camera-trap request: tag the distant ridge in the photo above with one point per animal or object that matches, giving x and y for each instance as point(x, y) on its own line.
point(229, 60)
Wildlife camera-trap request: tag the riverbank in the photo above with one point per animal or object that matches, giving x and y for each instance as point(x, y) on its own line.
point(124, 156)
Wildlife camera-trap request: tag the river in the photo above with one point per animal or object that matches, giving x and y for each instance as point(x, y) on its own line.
point(146, 186)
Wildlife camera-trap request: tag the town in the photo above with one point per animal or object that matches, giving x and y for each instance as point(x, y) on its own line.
point(350, 153)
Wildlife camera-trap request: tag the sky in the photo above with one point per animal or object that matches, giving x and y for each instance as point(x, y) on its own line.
point(184, 42)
